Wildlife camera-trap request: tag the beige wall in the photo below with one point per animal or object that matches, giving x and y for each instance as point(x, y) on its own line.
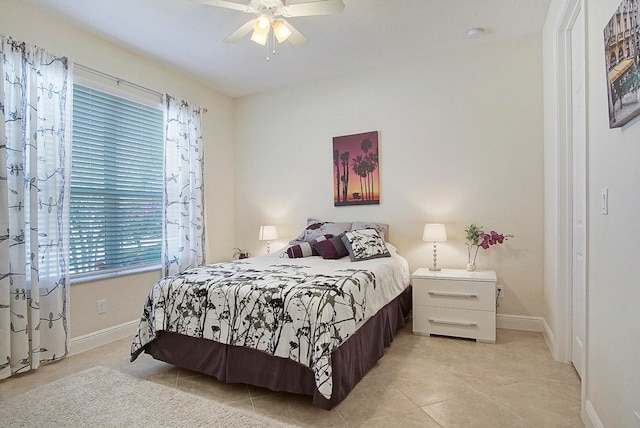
point(461, 142)
point(125, 295)
point(612, 374)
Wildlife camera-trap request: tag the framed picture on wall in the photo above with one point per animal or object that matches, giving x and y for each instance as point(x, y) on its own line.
point(622, 57)
point(356, 178)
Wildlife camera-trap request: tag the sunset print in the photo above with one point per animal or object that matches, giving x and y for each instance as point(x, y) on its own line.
point(356, 179)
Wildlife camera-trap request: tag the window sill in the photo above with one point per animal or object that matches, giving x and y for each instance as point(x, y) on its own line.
point(98, 276)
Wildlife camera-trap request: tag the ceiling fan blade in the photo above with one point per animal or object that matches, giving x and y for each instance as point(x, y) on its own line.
point(227, 5)
point(296, 38)
point(323, 7)
point(245, 29)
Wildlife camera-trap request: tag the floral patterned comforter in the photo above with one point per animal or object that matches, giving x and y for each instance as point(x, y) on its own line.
point(302, 309)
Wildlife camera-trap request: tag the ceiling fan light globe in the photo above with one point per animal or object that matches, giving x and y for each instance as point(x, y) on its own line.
point(280, 30)
point(262, 24)
point(261, 28)
point(259, 37)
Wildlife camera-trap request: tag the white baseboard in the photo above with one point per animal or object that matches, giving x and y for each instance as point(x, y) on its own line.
point(102, 337)
point(590, 417)
point(550, 338)
point(520, 322)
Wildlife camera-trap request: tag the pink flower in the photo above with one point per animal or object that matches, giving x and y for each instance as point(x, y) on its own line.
point(476, 238)
point(492, 238)
point(486, 241)
point(497, 238)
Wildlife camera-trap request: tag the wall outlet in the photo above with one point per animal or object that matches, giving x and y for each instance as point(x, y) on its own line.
point(500, 292)
point(102, 306)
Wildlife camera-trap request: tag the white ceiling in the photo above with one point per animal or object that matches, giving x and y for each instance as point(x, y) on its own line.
point(368, 34)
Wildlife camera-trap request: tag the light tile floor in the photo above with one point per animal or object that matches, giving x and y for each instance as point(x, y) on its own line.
point(420, 382)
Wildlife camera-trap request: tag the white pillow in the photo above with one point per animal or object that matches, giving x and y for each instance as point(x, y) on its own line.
point(316, 228)
point(382, 228)
point(365, 244)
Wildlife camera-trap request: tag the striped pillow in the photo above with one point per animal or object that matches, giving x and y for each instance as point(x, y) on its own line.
point(305, 249)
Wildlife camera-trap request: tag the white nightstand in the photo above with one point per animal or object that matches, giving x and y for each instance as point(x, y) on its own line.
point(454, 302)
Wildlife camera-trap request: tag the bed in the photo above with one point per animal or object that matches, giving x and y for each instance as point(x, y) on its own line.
point(304, 322)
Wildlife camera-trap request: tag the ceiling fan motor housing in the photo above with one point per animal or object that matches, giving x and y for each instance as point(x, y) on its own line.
point(272, 8)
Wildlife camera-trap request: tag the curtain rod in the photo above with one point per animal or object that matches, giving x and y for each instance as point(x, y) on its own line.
point(122, 81)
point(118, 80)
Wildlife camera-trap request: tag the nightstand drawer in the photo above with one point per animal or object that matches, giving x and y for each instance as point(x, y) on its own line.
point(480, 325)
point(455, 294)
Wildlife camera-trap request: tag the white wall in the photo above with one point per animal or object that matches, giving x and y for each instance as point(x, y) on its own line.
point(612, 375)
point(613, 387)
point(125, 295)
point(461, 142)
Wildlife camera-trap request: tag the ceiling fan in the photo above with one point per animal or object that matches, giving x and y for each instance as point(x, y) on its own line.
point(270, 15)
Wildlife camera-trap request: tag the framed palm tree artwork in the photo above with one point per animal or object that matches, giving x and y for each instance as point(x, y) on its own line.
point(356, 179)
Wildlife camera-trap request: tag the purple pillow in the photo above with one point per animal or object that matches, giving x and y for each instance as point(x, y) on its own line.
point(305, 249)
point(331, 248)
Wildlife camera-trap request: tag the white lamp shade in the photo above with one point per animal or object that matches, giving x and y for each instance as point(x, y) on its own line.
point(434, 232)
point(268, 233)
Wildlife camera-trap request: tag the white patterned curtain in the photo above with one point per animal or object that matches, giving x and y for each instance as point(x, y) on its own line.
point(184, 237)
point(35, 154)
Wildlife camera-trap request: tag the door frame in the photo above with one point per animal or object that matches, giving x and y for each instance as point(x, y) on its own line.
point(562, 270)
point(579, 166)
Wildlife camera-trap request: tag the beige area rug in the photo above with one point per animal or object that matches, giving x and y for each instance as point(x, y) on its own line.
point(100, 397)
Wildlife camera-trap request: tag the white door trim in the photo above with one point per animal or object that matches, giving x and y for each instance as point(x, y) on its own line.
point(564, 174)
point(561, 271)
point(579, 252)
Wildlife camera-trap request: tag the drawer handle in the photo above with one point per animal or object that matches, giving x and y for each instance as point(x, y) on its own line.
point(464, 323)
point(450, 294)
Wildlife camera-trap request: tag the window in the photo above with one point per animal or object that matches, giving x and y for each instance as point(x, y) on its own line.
point(116, 183)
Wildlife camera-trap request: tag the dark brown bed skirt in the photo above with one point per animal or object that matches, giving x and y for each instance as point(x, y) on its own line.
point(233, 364)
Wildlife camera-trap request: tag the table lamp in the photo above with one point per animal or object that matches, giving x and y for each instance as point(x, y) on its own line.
point(267, 233)
point(435, 233)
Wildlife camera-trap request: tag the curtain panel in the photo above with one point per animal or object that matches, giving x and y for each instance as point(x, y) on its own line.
point(183, 232)
point(35, 156)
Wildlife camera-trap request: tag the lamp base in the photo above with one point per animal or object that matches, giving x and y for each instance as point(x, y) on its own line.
point(435, 267)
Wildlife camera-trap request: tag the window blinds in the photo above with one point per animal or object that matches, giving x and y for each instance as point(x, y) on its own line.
point(116, 182)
